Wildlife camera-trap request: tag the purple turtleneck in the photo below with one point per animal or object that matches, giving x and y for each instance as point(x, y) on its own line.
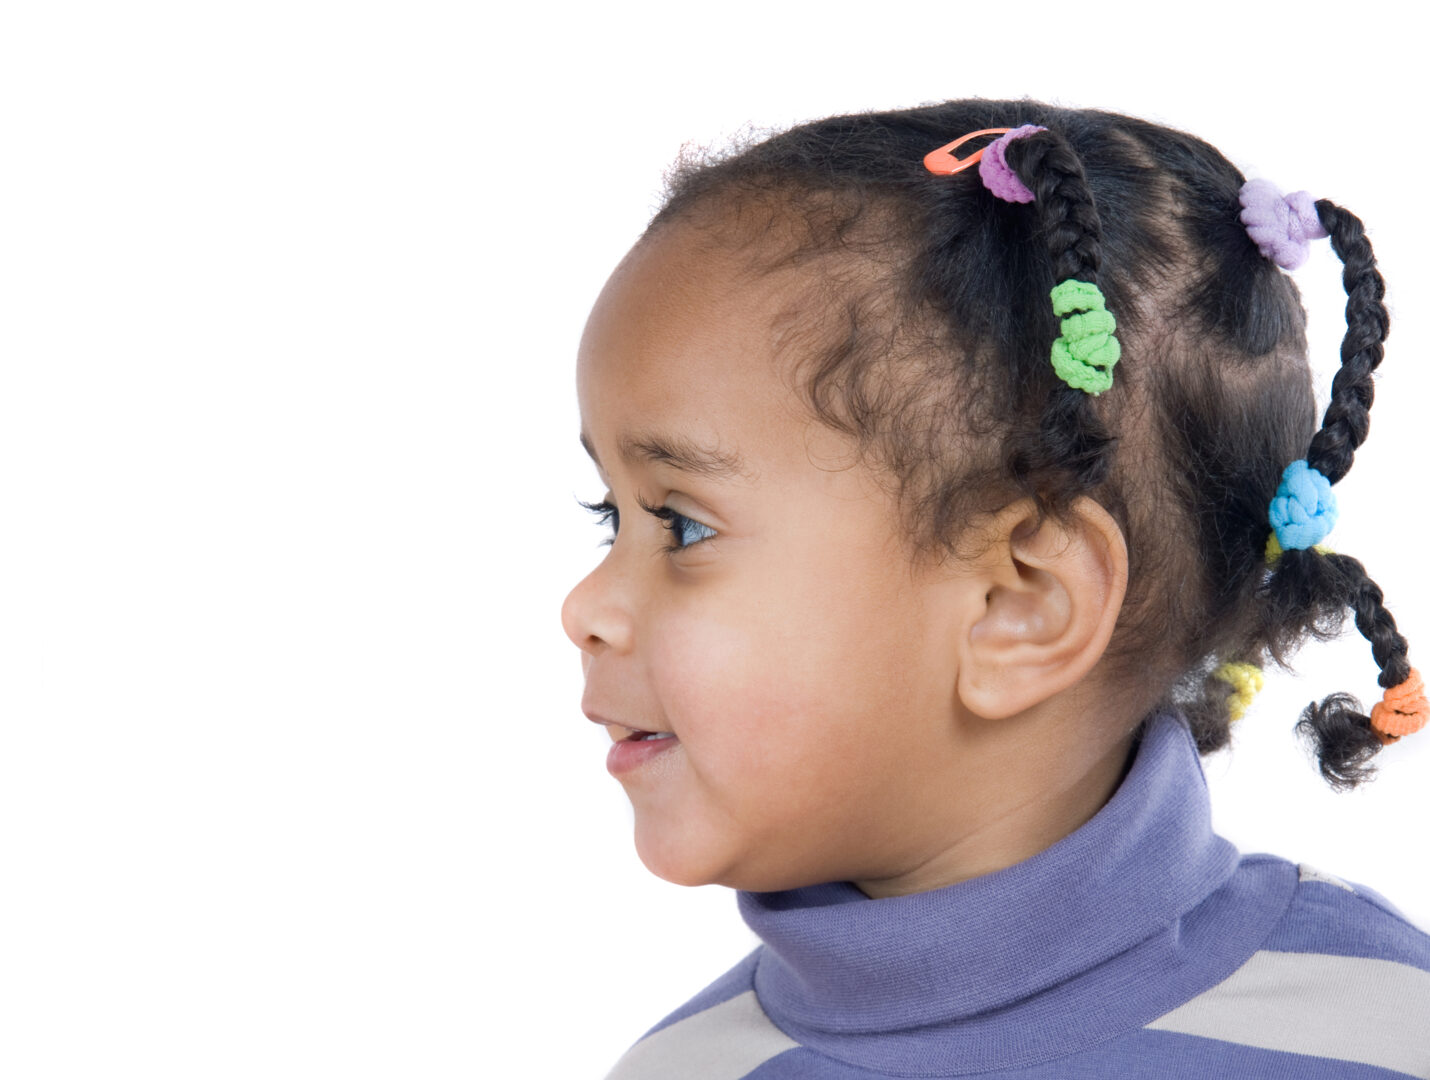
point(1140, 945)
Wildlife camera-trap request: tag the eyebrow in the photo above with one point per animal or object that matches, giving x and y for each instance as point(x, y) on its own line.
point(677, 452)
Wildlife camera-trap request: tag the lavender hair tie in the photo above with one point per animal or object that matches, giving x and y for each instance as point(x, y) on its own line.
point(1282, 227)
point(997, 175)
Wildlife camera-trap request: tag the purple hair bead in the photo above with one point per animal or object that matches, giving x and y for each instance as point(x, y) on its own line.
point(997, 175)
point(1281, 226)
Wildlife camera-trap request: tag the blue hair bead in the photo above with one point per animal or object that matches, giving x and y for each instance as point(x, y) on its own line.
point(1303, 513)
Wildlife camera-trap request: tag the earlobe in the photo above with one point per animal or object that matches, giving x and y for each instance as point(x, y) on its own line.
point(1051, 600)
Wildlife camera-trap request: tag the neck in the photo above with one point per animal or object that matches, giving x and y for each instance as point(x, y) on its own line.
point(1016, 820)
point(1115, 924)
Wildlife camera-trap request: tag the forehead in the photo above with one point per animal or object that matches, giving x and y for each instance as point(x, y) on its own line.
point(681, 343)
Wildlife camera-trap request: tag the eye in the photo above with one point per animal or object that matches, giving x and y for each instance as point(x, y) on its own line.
point(677, 524)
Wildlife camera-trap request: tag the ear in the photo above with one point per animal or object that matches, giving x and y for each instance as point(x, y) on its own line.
point(1052, 597)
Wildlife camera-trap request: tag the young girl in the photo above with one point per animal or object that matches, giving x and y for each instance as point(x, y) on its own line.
point(963, 472)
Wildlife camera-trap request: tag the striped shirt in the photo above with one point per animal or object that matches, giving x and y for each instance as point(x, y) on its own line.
point(1141, 945)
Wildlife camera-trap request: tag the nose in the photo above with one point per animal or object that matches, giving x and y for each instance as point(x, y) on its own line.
point(593, 616)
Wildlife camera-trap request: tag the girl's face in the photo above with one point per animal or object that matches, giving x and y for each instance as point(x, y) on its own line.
point(773, 625)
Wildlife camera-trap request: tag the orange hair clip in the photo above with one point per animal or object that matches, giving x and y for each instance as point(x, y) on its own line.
point(1402, 711)
point(942, 162)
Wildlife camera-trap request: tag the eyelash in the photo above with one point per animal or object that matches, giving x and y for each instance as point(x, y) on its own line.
point(671, 521)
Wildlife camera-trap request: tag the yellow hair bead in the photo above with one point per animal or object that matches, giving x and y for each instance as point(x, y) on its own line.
point(1273, 549)
point(1246, 681)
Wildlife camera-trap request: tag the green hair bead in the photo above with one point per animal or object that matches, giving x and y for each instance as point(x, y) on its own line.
point(1086, 350)
point(1073, 295)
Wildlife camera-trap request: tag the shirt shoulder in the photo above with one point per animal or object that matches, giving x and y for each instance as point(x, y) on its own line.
point(723, 1027)
point(1343, 977)
point(1332, 915)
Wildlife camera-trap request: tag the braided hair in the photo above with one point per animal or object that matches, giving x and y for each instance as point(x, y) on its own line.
point(924, 335)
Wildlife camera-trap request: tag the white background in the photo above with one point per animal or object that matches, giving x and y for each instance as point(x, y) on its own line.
point(293, 775)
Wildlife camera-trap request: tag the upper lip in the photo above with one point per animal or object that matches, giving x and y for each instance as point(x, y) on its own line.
point(597, 718)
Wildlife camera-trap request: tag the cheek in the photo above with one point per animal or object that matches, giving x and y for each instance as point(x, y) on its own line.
point(771, 682)
point(721, 678)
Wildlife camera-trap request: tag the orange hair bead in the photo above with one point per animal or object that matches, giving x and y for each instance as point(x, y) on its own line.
point(1402, 711)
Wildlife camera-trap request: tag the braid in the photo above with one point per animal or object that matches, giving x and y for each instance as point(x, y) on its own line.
point(1053, 172)
point(1347, 419)
point(1322, 586)
point(1339, 731)
point(1071, 434)
point(1376, 625)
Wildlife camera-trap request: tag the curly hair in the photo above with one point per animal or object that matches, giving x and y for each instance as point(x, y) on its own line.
point(924, 330)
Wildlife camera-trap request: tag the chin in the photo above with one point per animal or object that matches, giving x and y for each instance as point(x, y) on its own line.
point(676, 859)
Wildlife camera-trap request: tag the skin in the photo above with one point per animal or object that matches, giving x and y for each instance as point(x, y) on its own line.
point(840, 714)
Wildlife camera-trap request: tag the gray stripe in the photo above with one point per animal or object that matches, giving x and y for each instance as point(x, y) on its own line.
point(724, 1042)
point(1310, 873)
point(1352, 1008)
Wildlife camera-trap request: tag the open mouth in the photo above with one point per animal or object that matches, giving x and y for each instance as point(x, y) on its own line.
point(643, 736)
point(637, 748)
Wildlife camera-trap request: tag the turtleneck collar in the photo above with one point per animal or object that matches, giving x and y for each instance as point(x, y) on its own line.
point(1027, 963)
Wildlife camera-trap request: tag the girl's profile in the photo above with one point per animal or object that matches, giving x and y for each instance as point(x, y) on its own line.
point(964, 480)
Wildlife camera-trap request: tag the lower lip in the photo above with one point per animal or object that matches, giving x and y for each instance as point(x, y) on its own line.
point(628, 754)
